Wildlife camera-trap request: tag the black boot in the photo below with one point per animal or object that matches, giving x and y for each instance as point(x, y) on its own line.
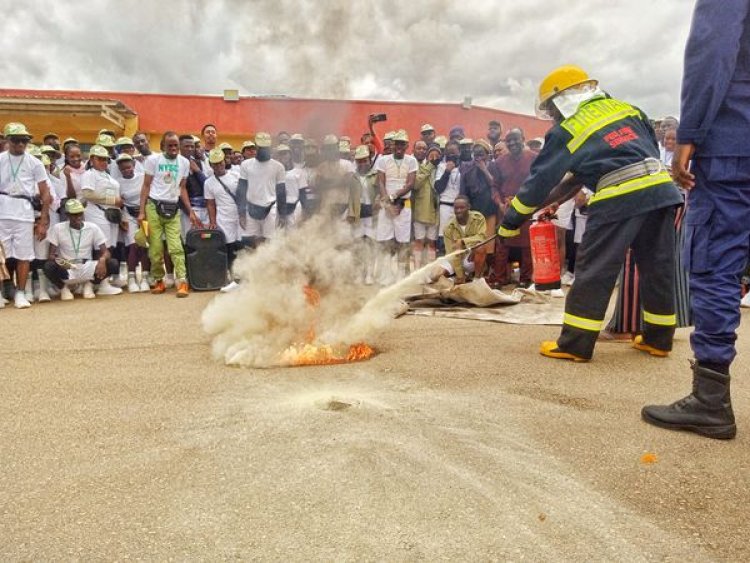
point(706, 411)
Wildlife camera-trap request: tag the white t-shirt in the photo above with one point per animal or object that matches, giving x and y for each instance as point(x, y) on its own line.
point(262, 178)
point(57, 190)
point(454, 183)
point(396, 171)
point(296, 180)
point(227, 214)
point(130, 188)
point(365, 197)
point(19, 175)
point(75, 244)
point(167, 175)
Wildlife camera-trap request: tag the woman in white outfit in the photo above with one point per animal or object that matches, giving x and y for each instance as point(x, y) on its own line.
point(130, 175)
point(102, 196)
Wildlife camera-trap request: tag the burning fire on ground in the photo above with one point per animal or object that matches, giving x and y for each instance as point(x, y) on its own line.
point(312, 354)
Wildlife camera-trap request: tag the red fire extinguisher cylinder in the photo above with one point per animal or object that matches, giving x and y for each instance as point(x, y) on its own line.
point(544, 254)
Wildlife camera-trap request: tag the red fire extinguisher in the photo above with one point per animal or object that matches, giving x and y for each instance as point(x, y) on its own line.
point(544, 254)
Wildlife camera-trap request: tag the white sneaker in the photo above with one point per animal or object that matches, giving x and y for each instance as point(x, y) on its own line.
point(169, 281)
point(559, 293)
point(2, 303)
point(88, 291)
point(66, 294)
point(43, 296)
point(145, 286)
point(21, 302)
point(117, 281)
point(231, 286)
point(567, 279)
point(745, 303)
point(133, 286)
point(105, 288)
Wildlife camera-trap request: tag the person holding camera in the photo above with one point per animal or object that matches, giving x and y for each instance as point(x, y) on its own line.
point(447, 186)
point(397, 173)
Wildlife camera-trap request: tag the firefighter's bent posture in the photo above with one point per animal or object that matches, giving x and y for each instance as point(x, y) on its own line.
point(610, 147)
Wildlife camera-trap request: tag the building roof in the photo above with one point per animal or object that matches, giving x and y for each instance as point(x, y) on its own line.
point(248, 114)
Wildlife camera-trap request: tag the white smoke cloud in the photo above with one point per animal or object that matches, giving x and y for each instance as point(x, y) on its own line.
point(428, 50)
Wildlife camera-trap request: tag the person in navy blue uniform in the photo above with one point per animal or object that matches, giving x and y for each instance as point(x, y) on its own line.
point(713, 133)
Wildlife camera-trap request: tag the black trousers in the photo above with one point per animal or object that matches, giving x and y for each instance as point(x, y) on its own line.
point(600, 257)
point(57, 275)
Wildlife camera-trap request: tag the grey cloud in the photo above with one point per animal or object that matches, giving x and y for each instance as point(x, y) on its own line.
point(495, 52)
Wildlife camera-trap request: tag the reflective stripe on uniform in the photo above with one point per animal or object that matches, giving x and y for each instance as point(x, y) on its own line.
point(661, 320)
point(582, 323)
point(630, 186)
point(508, 233)
point(595, 116)
point(516, 204)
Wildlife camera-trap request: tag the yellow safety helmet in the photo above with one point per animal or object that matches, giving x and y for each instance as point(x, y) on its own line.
point(557, 81)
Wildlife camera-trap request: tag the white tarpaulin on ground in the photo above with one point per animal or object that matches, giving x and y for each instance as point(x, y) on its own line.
point(477, 301)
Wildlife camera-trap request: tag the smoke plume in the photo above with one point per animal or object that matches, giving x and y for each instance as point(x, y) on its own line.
point(255, 325)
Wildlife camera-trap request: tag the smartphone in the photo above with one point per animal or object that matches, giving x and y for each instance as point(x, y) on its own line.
point(375, 117)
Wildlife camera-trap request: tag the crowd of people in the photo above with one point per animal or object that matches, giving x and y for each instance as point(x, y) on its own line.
point(116, 217)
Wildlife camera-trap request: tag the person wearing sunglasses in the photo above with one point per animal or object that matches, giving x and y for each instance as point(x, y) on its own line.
point(22, 177)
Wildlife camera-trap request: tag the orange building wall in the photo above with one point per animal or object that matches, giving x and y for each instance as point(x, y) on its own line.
point(241, 119)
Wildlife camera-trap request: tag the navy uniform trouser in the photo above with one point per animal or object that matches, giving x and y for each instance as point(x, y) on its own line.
point(600, 258)
point(717, 242)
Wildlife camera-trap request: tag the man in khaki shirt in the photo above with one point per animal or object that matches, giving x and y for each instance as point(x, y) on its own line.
point(466, 229)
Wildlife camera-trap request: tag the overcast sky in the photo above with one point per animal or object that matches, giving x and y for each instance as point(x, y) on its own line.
point(440, 50)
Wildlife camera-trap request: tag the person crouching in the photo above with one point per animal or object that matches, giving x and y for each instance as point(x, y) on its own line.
point(72, 246)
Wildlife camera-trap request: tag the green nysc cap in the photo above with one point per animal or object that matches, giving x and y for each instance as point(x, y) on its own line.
point(73, 207)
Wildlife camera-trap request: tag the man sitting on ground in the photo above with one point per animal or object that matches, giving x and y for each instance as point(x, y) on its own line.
point(465, 230)
point(70, 262)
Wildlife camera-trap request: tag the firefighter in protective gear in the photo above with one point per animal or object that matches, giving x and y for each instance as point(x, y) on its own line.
point(609, 146)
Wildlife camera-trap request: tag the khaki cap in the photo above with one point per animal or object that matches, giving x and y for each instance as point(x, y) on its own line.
point(73, 207)
point(400, 136)
point(124, 141)
point(16, 130)
point(49, 148)
point(263, 139)
point(248, 145)
point(98, 150)
point(362, 151)
point(104, 140)
point(466, 141)
point(33, 150)
point(216, 156)
point(389, 136)
point(344, 146)
point(484, 144)
point(441, 141)
point(427, 127)
point(330, 140)
point(124, 157)
point(283, 148)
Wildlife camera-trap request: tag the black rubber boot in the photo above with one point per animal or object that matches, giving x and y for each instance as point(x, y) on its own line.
point(706, 411)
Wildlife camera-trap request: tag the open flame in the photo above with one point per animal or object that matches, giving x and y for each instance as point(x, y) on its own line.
point(311, 354)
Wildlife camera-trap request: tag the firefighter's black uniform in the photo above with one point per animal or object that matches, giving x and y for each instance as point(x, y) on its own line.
point(611, 147)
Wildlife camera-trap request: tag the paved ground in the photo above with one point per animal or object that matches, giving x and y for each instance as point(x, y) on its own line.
point(120, 438)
